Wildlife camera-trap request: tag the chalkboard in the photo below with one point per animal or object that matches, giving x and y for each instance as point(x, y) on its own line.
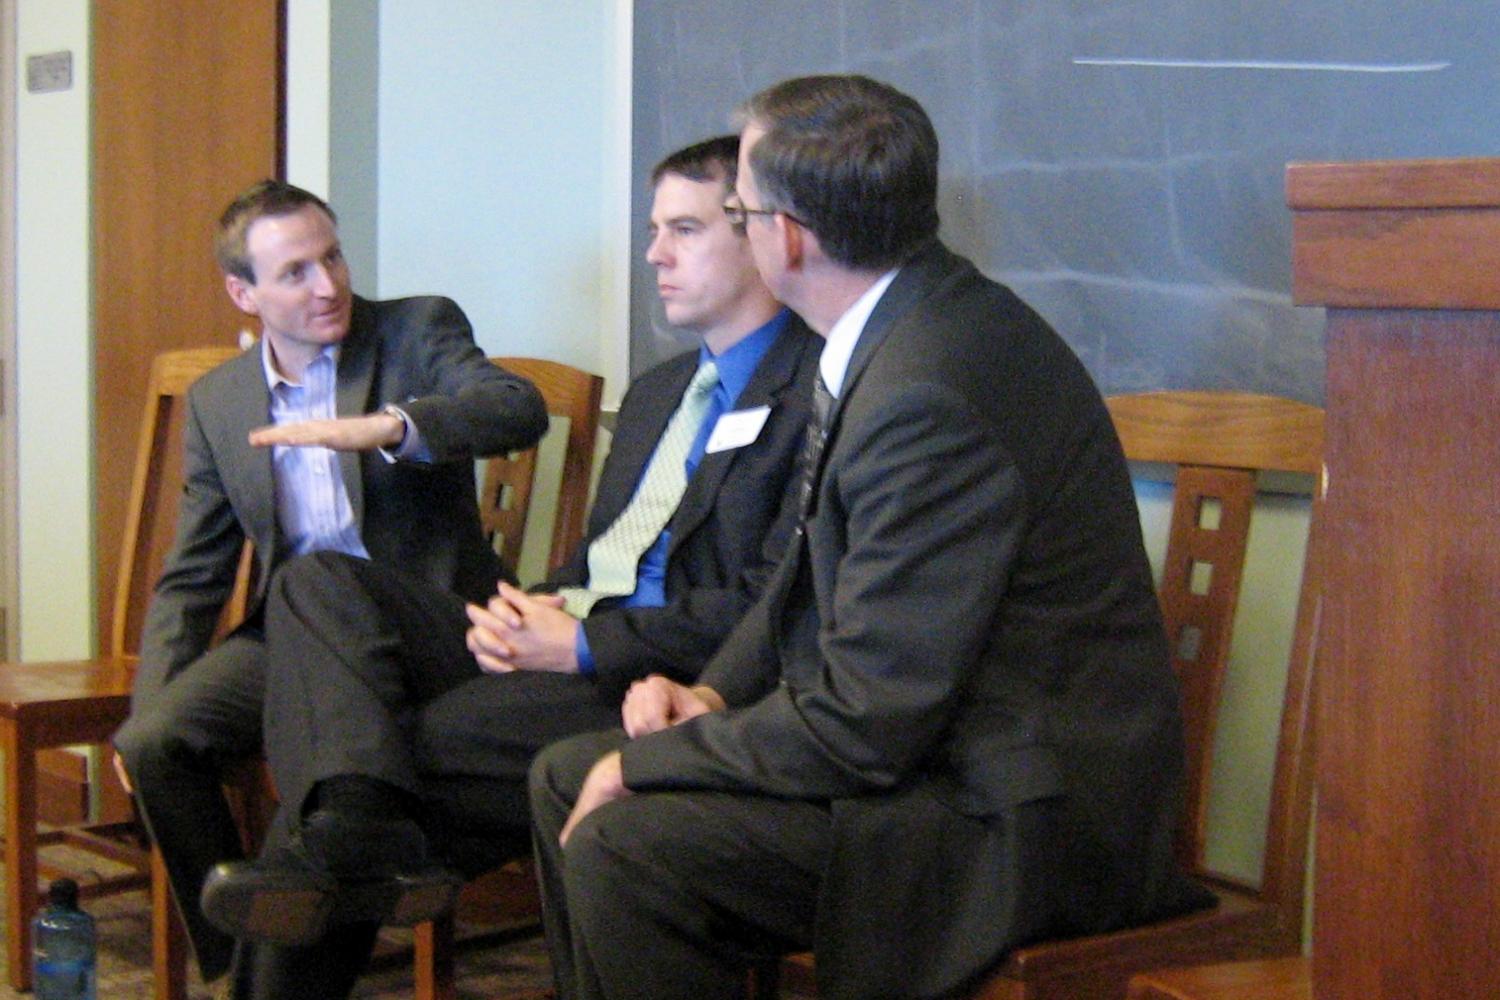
point(1119, 163)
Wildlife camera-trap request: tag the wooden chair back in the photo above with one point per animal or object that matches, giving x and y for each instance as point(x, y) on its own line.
point(506, 898)
point(155, 488)
point(1219, 443)
point(509, 480)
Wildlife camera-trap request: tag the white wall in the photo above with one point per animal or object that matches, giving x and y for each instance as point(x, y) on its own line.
point(53, 348)
point(497, 125)
point(333, 85)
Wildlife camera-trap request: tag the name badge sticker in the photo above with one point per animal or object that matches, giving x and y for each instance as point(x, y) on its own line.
point(737, 429)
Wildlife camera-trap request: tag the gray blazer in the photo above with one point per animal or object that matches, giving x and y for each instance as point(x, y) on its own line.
point(962, 654)
point(416, 516)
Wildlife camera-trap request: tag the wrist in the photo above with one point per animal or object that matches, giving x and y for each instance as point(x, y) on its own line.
point(395, 421)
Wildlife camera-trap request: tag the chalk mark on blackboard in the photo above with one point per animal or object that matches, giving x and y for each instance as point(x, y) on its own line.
point(1264, 64)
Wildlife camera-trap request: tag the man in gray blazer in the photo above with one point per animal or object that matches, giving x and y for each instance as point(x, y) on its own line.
point(352, 427)
point(948, 726)
point(388, 740)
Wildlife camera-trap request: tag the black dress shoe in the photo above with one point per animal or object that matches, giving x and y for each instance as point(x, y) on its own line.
point(283, 899)
point(279, 899)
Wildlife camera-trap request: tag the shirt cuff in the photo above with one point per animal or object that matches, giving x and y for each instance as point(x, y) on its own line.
point(411, 447)
point(585, 655)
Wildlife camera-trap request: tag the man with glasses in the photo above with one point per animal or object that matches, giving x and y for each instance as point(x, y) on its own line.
point(421, 715)
point(949, 725)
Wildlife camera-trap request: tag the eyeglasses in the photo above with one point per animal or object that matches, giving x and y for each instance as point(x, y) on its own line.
point(738, 214)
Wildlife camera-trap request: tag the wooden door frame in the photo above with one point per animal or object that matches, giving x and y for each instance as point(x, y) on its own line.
point(9, 538)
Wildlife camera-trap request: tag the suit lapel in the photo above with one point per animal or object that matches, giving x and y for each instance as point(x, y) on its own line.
point(774, 373)
point(633, 448)
point(247, 406)
point(356, 380)
point(914, 282)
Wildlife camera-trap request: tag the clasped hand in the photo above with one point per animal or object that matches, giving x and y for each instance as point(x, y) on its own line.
point(650, 705)
point(521, 631)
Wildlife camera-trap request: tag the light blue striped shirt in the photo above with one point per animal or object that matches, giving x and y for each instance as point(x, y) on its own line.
point(312, 505)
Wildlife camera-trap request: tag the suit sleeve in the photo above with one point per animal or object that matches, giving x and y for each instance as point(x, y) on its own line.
point(470, 408)
point(199, 571)
point(932, 510)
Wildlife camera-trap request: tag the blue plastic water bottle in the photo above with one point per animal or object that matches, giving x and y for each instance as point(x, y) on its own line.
point(63, 946)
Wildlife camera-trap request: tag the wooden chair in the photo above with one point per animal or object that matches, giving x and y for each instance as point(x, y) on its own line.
point(59, 704)
point(1265, 979)
point(507, 897)
point(505, 499)
point(1218, 442)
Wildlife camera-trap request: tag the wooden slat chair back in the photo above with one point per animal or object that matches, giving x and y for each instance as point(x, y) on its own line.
point(51, 705)
point(507, 897)
point(156, 487)
point(1219, 442)
point(505, 498)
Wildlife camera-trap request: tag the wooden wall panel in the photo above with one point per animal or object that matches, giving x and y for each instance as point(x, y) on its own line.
point(188, 101)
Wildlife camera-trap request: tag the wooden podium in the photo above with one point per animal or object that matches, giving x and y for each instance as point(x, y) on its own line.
point(1406, 256)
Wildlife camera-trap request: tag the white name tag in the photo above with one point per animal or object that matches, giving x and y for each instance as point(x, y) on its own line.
point(737, 429)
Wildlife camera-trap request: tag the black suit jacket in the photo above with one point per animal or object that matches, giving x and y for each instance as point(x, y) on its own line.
point(731, 527)
point(966, 626)
point(417, 516)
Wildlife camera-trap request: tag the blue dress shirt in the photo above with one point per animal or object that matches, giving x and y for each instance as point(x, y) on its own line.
point(736, 367)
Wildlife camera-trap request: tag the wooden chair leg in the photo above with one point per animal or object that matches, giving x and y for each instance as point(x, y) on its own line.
point(168, 937)
point(20, 851)
point(432, 960)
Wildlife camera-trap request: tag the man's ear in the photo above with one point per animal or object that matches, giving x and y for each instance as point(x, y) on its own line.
point(239, 293)
point(793, 241)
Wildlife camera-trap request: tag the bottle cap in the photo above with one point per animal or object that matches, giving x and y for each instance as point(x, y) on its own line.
point(63, 892)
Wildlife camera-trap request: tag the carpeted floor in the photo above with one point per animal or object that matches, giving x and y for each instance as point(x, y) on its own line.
point(499, 968)
point(512, 970)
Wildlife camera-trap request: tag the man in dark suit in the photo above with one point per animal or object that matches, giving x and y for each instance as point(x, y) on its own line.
point(352, 427)
point(419, 716)
point(948, 726)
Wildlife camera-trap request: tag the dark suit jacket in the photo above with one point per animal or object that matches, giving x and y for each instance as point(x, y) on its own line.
point(417, 516)
point(731, 527)
point(963, 643)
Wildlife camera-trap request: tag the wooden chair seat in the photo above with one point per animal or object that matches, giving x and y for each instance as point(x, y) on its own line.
point(44, 705)
point(50, 705)
point(1268, 979)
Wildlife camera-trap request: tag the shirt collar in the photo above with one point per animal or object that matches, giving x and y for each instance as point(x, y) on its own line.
point(844, 336)
point(274, 378)
point(737, 365)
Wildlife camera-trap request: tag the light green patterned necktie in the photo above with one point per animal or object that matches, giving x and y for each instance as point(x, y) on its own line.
point(615, 556)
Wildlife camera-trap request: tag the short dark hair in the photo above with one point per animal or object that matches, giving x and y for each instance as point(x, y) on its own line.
point(267, 198)
point(852, 159)
point(715, 159)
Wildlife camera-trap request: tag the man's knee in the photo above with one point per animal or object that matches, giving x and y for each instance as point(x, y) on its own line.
point(557, 773)
point(141, 740)
point(314, 576)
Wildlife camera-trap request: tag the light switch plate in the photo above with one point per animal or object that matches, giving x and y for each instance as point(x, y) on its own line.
point(49, 71)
